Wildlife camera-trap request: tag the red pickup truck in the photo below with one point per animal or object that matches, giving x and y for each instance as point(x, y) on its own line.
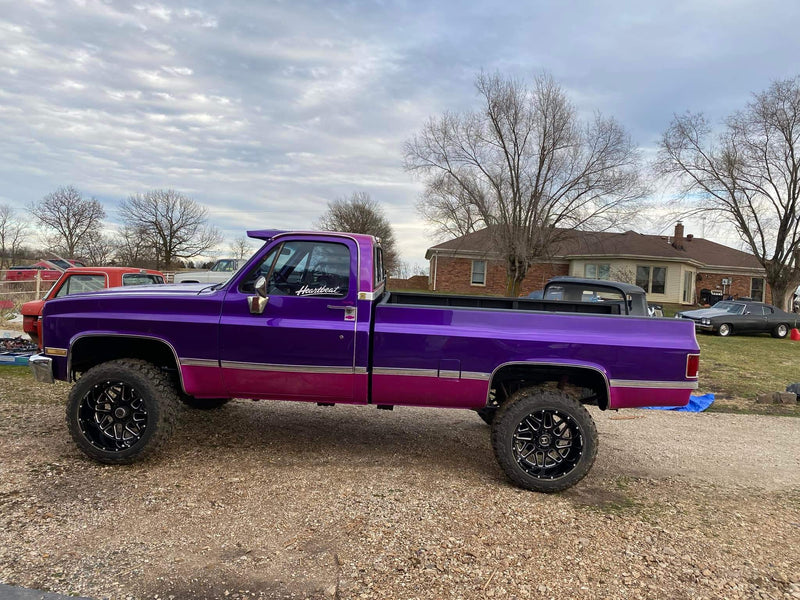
point(49, 270)
point(83, 279)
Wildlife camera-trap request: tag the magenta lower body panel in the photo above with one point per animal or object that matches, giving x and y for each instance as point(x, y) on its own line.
point(203, 382)
point(635, 397)
point(411, 390)
point(292, 385)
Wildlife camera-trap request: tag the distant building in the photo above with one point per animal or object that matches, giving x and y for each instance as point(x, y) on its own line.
point(674, 269)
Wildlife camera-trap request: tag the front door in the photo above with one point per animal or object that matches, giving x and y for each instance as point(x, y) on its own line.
point(302, 346)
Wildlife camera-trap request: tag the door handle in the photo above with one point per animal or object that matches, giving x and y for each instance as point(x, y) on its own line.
point(337, 306)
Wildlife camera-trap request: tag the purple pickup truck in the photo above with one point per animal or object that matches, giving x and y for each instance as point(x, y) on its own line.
point(307, 318)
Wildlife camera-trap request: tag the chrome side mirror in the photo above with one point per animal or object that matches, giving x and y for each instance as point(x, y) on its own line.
point(258, 303)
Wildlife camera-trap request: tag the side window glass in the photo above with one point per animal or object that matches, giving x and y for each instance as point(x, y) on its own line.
point(311, 269)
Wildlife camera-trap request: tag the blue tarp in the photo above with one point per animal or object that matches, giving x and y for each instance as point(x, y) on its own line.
point(696, 404)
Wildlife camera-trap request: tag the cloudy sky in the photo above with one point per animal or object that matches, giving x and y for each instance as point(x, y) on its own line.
point(264, 111)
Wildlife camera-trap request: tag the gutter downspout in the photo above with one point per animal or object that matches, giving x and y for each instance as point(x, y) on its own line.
point(435, 269)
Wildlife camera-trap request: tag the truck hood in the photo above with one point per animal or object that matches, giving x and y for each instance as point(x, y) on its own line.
point(703, 313)
point(161, 289)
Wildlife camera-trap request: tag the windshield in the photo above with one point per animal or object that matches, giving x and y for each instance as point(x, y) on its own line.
point(226, 266)
point(731, 308)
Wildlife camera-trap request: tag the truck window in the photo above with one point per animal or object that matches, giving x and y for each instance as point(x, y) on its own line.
point(225, 266)
point(300, 268)
point(81, 283)
point(141, 279)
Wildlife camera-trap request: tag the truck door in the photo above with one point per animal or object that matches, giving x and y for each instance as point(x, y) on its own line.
point(302, 346)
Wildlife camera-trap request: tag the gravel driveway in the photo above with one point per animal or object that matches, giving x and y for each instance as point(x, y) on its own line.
point(283, 500)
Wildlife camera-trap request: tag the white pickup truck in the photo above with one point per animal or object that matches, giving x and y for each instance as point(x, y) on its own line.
point(219, 272)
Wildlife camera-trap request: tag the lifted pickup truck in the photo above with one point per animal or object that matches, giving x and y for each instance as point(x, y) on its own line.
point(307, 318)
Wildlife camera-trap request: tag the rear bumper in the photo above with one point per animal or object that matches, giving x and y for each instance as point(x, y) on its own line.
point(42, 368)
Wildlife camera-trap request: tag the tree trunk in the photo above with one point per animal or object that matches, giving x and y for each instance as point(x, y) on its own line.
point(781, 296)
point(515, 275)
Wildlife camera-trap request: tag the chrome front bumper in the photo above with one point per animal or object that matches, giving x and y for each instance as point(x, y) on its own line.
point(42, 368)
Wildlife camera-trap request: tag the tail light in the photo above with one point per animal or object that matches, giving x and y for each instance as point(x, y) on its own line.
point(692, 365)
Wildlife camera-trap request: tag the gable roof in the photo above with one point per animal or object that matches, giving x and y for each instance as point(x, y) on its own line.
point(573, 244)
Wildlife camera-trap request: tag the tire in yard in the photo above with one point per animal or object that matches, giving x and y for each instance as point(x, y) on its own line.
point(203, 403)
point(122, 410)
point(544, 440)
point(781, 331)
point(725, 330)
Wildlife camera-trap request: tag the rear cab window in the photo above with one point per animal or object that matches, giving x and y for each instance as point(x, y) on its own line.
point(141, 279)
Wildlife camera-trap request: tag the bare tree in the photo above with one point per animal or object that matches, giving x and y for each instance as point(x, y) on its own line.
point(12, 235)
point(174, 226)
point(361, 214)
point(67, 218)
point(133, 250)
point(240, 248)
point(749, 175)
point(525, 166)
point(97, 248)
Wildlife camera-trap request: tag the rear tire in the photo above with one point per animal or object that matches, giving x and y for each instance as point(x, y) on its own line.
point(725, 330)
point(780, 331)
point(122, 411)
point(544, 440)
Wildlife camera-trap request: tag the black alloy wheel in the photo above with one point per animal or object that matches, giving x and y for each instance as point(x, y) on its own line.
point(544, 440)
point(112, 416)
point(122, 410)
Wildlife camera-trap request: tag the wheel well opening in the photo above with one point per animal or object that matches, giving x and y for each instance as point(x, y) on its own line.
point(88, 352)
point(586, 385)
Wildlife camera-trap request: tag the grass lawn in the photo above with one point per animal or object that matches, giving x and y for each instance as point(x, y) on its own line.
point(738, 368)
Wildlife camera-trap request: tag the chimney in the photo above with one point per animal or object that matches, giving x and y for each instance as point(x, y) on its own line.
point(677, 239)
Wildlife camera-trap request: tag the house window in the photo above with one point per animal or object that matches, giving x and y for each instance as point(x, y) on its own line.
point(757, 289)
point(652, 280)
point(478, 272)
point(597, 271)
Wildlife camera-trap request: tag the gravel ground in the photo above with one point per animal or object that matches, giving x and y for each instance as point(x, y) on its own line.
point(283, 500)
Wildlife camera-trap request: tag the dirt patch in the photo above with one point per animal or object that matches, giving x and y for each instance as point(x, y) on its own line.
point(282, 500)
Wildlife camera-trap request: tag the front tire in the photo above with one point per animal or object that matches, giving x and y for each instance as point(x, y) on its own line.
point(122, 411)
point(725, 330)
point(780, 331)
point(544, 440)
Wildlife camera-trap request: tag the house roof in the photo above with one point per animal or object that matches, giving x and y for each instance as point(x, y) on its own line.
point(573, 244)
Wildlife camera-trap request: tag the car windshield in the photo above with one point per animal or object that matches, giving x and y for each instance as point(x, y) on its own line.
point(731, 308)
point(227, 266)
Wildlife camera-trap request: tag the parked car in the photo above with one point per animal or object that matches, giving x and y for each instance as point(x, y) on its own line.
point(49, 270)
point(626, 298)
point(308, 318)
point(83, 279)
point(729, 317)
point(219, 272)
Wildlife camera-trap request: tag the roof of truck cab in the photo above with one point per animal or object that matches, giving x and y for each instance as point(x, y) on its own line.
point(268, 234)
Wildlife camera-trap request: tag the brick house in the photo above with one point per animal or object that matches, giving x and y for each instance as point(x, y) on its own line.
point(673, 269)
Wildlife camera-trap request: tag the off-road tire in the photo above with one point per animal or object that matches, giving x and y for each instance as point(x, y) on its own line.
point(725, 330)
point(155, 396)
point(565, 415)
point(781, 331)
point(203, 403)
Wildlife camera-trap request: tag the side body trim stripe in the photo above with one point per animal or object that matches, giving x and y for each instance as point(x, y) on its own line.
point(636, 383)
